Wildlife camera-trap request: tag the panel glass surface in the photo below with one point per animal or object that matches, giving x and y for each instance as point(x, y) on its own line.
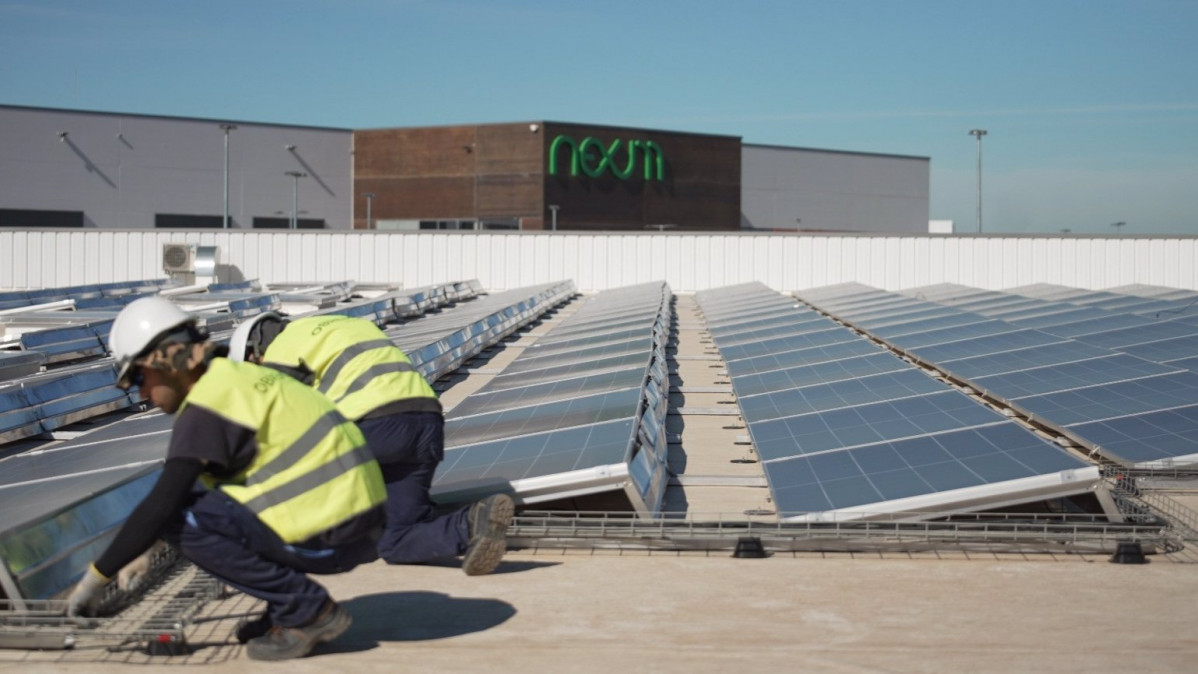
point(1021, 359)
point(799, 357)
point(1007, 341)
point(1114, 400)
point(821, 397)
point(817, 373)
point(559, 414)
point(498, 463)
point(912, 467)
point(1168, 437)
point(1119, 339)
point(868, 424)
point(1095, 325)
point(1105, 370)
point(1165, 349)
point(832, 335)
point(486, 400)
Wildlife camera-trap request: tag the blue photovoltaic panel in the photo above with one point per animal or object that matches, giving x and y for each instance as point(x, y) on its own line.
point(832, 335)
point(1118, 339)
point(498, 463)
point(562, 389)
point(908, 316)
point(1078, 374)
point(923, 326)
point(912, 341)
point(1168, 437)
point(1118, 399)
point(1002, 362)
point(1095, 325)
point(1190, 363)
point(904, 383)
point(817, 373)
point(1165, 349)
point(548, 373)
point(799, 357)
point(532, 358)
point(558, 414)
point(779, 332)
point(868, 424)
point(981, 345)
point(913, 467)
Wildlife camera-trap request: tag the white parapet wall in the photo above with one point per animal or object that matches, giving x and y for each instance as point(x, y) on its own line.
point(601, 260)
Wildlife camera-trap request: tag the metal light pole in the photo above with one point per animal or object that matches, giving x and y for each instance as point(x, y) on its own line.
point(553, 213)
point(369, 198)
point(295, 176)
point(227, 128)
point(979, 133)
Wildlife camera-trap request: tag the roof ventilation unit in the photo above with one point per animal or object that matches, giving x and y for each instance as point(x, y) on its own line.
point(190, 263)
point(179, 258)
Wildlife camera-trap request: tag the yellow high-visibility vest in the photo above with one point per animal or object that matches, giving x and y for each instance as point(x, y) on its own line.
point(355, 364)
point(313, 470)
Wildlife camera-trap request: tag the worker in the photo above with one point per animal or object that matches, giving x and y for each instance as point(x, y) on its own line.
point(264, 482)
point(374, 384)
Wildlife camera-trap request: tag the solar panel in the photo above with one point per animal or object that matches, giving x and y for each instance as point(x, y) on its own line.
point(992, 464)
point(1069, 372)
point(819, 372)
point(784, 402)
point(812, 420)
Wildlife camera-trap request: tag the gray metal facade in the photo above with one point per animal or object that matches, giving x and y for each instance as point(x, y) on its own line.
point(122, 171)
point(785, 188)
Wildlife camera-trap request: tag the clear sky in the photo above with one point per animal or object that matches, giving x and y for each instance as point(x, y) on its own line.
point(1091, 106)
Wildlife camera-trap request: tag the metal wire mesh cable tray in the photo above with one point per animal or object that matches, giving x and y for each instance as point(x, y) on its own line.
point(156, 623)
point(1029, 533)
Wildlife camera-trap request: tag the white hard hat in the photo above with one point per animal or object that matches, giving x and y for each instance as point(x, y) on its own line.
point(239, 343)
point(140, 325)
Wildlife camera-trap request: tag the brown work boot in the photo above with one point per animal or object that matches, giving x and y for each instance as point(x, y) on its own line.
point(285, 643)
point(489, 519)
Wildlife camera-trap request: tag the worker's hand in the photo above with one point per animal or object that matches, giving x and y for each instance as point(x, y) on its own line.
point(87, 592)
point(135, 573)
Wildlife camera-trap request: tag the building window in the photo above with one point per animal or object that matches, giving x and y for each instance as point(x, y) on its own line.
point(171, 221)
point(285, 223)
point(448, 224)
point(28, 218)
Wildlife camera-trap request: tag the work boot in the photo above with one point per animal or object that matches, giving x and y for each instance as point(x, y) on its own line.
point(285, 643)
point(252, 629)
point(489, 519)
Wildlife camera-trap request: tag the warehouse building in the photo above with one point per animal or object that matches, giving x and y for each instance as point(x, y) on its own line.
point(65, 168)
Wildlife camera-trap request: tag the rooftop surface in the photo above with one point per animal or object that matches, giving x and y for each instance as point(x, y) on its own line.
point(594, 609)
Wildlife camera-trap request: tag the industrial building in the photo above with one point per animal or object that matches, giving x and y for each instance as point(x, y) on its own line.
point(66, 168)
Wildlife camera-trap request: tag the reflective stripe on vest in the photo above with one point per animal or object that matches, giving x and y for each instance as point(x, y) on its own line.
point(355, 363)
point(313, 470)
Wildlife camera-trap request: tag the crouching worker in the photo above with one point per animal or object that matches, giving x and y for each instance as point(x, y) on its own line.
point(374, 383)
point(290, 487)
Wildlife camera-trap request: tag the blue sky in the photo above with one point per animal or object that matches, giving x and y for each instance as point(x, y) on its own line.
point(1091, 106)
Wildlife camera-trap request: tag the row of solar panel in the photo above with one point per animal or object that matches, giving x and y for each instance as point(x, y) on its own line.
point(846, 429)
point(33, 403)
point(1106, 369)
point(63, 504)
point(95, 295)
point(580, 412)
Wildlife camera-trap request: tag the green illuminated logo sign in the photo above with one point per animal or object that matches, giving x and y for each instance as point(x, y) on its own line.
point(592, 157)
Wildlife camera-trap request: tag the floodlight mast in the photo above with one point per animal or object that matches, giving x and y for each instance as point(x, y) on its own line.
point(979, 133)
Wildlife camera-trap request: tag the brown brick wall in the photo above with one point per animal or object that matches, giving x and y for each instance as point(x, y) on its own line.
point(501, 171)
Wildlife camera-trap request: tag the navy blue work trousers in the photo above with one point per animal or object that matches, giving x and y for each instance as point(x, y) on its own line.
point(408, 447)
point(224, 538)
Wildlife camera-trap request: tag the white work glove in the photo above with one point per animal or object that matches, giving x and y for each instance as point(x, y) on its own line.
point(87, 592)
point(135, 573)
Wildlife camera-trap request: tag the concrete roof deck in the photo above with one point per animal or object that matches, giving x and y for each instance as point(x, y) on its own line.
point(602, 610)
